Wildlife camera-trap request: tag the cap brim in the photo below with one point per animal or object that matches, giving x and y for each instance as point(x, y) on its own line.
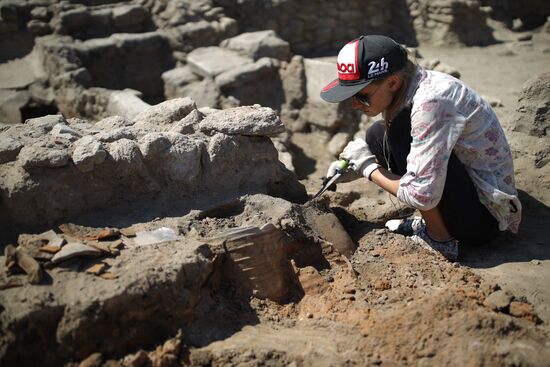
point(335, 92)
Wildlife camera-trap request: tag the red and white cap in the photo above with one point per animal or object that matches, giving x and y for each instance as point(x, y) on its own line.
point(361, 61)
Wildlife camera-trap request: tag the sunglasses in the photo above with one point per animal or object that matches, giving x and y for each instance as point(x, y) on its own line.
point(363, 98)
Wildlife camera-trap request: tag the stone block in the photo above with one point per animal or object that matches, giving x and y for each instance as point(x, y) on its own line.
point(165, 113)
point(9, 148)
point(66, 132)
point(212, 61)
point(125, 104)
point(247, 120)
point(129, 16)
point(40, 156)
point(533, 110)
point(88, 152)
point(259, 44)
point(176, 79)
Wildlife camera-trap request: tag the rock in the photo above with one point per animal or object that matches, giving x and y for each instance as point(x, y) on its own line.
point(11, 103)
point(176, 79)
point(128, 16)
point(126, 104)
point(38, 28)
point(259, 44)
point(212, 61)
point(39, 156)
point(329, 116)
point(66, 132)
point(204, 93)
point(113, 122)
point(293, 79)
point(248, 120)
point(46, 123)
point(437, 65)
point(154, 145)
point(40, 12)
point(93, 360)
point(29, 266)
point(75, 250)
point(9, 148)
point(174, 156)
point(241, 84)
point(533, 111)
point(74, 17)
point(117, 134)
point(139, 359)
point(88, 152)
point(165, 113)
point(285, 156)
point(41, 246)
point(127, 157)
point(338, 142)
point(49, 238)
point(189, 124)
point(498, 300)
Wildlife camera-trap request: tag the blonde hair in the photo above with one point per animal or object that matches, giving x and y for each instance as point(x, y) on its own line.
point(406, 74)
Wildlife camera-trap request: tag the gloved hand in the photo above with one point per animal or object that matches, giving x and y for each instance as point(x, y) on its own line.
point(348, 176)
point(360, 158)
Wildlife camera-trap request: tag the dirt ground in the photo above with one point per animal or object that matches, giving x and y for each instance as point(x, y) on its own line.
point(392, 303)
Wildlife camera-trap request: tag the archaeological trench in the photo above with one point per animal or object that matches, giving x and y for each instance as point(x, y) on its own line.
point(157, 161)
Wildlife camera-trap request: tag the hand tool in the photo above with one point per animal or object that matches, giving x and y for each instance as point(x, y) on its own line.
point(340, 170)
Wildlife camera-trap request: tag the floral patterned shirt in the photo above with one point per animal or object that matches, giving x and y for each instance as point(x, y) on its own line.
point(447, 116)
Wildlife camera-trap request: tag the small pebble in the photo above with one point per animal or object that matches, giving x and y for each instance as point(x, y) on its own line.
point(535, 262)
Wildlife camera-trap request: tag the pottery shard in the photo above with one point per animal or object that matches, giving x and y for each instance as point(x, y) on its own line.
point(29, 266)
point(75, 249)
point(329, 228)
point(88, 233)
point(257, 263)
point(247, 120)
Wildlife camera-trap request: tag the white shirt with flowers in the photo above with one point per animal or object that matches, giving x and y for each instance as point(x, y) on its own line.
point(447, 116)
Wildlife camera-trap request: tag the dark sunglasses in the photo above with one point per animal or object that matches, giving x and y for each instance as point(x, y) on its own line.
point(364, 99)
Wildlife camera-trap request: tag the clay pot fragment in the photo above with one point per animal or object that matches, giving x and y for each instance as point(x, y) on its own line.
point(19, 257)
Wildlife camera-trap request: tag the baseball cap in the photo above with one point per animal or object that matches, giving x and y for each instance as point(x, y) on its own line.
point(362, 61)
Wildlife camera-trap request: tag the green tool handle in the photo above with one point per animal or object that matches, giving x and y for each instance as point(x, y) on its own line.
point(344, 164)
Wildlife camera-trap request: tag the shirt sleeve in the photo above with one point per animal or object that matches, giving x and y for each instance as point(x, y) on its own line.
point(436, 126)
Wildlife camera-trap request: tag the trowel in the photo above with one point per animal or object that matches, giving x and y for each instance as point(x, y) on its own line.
point(340, 170)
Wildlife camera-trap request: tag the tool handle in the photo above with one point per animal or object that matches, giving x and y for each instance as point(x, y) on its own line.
point(344, 164)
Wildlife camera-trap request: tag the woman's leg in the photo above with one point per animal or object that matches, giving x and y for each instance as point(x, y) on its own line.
point(459, 213)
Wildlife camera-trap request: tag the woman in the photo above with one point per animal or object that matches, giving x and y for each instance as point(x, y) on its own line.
point(440, 149)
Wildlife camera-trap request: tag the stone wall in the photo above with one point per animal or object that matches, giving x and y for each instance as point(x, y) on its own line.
point(53, 169)
point(314, 27)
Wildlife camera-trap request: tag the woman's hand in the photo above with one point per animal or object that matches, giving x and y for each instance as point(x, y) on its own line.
point(360, 158)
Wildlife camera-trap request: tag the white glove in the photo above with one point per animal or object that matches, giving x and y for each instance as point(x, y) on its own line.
point(346, 176)
point(360, 158)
